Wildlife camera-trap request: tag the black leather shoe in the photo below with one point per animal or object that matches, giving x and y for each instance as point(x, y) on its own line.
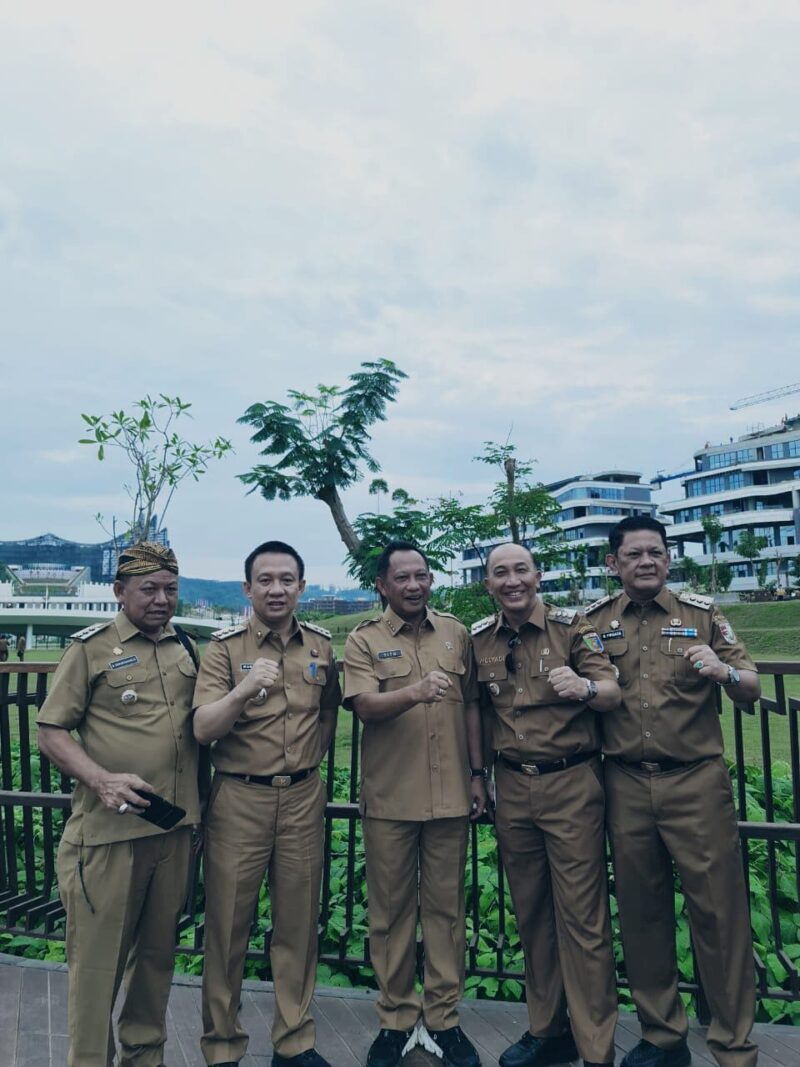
point(457, 1049)
point(532, 1051)
point(309, 1058)
point(387, 1048)
point(646, 1054)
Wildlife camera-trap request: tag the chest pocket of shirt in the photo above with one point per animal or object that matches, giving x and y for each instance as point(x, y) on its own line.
point(540, 691)
point(392, 673)
point(125, 678)
point(677, 667)
point(497, 680)
point(616, 646)
point(455, 669)
point(316, 676)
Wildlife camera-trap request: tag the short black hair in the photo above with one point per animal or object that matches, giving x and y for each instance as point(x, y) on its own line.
point(383, 560)
point(505, 544)
point(631, 524)
point(273, 546)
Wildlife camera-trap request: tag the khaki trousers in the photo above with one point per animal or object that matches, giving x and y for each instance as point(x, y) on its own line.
point(395, 850)
point(122, 902)
point(686, 816)
point(252, 829)
point(552, 839)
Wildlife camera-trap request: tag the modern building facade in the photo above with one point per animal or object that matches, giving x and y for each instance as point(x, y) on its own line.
point(47, 552)
point(751, 484)
point(590, 505)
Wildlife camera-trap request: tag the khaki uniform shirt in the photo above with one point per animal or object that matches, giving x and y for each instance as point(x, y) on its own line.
point(416, 766)
point(531, 722)
point(668, 709)
point(151, 736)
point(280, 735)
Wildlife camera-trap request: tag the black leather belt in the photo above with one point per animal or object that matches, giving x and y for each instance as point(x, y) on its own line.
point(547, 768)
point(279, 781)
point(657, 766)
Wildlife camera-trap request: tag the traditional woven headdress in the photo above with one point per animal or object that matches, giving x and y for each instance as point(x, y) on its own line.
point(146, 558)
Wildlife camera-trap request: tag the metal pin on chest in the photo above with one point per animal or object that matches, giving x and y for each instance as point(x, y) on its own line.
point(129, 696)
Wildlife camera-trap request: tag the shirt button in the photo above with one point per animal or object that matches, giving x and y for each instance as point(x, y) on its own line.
point(129, 677)
point(491, 674)
point(172, 703)
point(289, 715)
point(516, 714)
point(644, 648)
point(645, 676)
point(435, 767)
point(288, 685)
point(164, 673)
point(645, 704)
point(644, 622)
point(521, 737)
point(519, 690)
point(647, 733)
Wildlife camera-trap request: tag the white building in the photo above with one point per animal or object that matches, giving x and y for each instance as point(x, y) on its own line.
point(590, 505)
point(752, 484)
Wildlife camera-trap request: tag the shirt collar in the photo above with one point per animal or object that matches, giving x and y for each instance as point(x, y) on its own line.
point(127, 630)
point(395, 624)
point(536, 618)
point(662, 599)
point(262, 631)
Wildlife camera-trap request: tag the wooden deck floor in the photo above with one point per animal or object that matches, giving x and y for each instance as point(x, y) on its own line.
point(33, 1025)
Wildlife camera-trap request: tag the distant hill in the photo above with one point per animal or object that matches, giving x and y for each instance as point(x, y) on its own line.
point(229, 595)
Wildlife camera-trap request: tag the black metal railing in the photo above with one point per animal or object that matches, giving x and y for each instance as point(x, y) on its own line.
point(34, 804)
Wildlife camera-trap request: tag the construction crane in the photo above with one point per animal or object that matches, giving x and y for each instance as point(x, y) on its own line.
point(762, 398)
point(660, 477)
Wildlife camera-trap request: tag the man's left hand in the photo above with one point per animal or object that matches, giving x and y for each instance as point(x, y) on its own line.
point(707, 663)
point(568, 684)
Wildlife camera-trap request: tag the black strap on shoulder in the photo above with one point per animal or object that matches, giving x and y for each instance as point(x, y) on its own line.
point(204, 751)
point(185, 640)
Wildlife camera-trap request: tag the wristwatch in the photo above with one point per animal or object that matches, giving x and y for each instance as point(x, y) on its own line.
point(733, 676)
point(591, 690)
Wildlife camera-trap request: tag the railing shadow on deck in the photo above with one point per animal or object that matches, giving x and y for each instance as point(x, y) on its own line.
point(34, 804)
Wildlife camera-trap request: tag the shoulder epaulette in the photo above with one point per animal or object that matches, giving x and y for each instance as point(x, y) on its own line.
point(228, 631)
point(482, 624)
point(317, 629)
point(599, 603)
point(697, 600)
point(90, 631)
point(366, 622)
point(565, 615)
point(444, 614)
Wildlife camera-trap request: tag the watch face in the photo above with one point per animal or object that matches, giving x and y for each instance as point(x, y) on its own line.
point(733, 676)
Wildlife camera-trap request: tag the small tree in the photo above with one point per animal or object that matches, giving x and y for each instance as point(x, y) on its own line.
point(518, 502)
point(712, 527)
point(159, 458)
point(580, 568)
point(322, 440)
point(749, 547)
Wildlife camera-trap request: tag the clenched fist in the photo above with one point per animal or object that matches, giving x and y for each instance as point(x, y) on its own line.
point(433, 687)
point(258, 680)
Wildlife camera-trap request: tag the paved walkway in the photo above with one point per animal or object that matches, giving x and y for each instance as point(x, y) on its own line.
point(33, 1025)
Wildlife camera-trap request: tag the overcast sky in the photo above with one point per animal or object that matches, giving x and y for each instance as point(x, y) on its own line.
point(575, 222)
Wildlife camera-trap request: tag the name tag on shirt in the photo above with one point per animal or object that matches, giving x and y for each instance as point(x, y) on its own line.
point(245, 666)
point(392, 653)
point(610, 634)
point(127, 662)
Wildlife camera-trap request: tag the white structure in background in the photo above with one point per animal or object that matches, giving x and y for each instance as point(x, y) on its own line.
point(753, 484)
point(590, 505)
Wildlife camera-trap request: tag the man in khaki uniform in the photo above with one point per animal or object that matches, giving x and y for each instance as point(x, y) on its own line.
point(409, 676)
point(22, 644)
point(669, 798)
point(3, 648)
point(267, 695)
point(126, 687)
point(543, 676)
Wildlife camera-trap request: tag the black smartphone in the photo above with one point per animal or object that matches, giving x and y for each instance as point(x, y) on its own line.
point(161, 812)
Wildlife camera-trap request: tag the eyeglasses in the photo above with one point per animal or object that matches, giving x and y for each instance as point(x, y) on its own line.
point(511, 666)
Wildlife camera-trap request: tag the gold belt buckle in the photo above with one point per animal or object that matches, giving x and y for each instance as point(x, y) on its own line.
point(530, 768)
point(280, 781)
point(651, 768)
